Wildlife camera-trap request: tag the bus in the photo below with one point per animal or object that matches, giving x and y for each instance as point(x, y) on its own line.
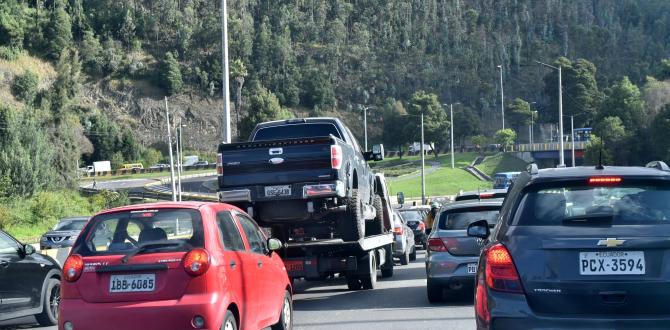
point(132, 166)
point(582, 134)
point(503, 180)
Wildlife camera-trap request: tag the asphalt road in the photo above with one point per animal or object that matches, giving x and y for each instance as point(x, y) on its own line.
point(397, 303)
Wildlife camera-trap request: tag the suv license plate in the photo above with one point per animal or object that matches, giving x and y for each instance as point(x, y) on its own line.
point(275, 191)
point(472, 268)
point(132, 283)
point(612, 263)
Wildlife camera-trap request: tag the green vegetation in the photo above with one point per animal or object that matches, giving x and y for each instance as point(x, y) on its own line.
point(501, 162)
point(156, 175)
point(443, 181)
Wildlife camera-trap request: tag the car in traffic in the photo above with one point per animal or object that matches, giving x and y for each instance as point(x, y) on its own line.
point(583, 247)
point(159, 166)
point(451, 257)
point(404, 245)
point(414, 217)
point(64, 233)
point(503, 180)
point(201, 163)
point(190, 265)
point(29, 282)
point(480, 194)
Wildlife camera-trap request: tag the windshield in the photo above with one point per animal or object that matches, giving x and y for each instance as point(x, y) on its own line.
point(294, 131)
point(122, 232)
point(623, 205)
point(412, 215)
point(70, 225)
point(459, 219)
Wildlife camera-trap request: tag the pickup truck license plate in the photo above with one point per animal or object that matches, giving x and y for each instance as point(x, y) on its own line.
point(612, 263)
point(132, 283)
point(275, 191)
point(294, 265)
point(472, 268)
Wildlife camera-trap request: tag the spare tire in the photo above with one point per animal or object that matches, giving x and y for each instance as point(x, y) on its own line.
point(352, 223)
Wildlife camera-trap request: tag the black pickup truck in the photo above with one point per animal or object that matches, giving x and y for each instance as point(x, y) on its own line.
point(304, 178)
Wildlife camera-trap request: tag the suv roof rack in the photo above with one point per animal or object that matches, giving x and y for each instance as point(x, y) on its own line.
point(659, 165)
point(532, 169)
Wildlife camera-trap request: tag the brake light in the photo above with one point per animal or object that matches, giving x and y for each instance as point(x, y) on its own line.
point(501, 274)
point(219, 164)
point(605, 180)
point(335, 157)
point(73, 267)
point(482, 300)
point(443, 244)
point(486, 195)
point(421, 226)
point(196, 262)
point(398, 230)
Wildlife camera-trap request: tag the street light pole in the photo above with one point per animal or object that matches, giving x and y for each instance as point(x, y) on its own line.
point(167, 119)
point(423, 171)
point(451, 115)
point(572, 130)
point(179, 169)
point(365, 123)
point(227, 138)
point(561, 156)
point(502, 97)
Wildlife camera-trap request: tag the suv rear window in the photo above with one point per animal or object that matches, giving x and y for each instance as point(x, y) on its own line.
point(459, 219)
point(295, 131)
point(412, 215)
point(620, 205)
point(122, 232)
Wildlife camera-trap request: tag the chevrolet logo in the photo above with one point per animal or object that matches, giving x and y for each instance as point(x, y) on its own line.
point(611, 242)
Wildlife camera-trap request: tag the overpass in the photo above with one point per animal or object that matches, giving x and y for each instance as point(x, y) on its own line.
point(548, 153)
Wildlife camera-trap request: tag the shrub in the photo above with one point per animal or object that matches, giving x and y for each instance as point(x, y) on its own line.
point(47, 206)
point(9, 53)
point(24, 86)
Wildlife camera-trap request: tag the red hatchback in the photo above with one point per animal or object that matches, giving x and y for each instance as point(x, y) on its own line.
point(174, 266)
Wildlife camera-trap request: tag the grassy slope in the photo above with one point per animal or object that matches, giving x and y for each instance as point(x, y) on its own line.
point(502, 162)
point(157, 175)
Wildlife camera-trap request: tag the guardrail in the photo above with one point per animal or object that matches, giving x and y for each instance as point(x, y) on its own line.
point(551, 146)
point(148, 170)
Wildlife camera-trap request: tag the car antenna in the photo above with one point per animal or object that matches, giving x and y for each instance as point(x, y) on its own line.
point(600, 157)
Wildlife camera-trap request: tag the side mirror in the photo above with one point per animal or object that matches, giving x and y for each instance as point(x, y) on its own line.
point(28, 249)
point(401, 198)
point(378, 152)
point(479, 229)
point(274, 244)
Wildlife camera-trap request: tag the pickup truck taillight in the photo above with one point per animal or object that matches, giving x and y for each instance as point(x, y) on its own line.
point(219, 164)
point(335, 157)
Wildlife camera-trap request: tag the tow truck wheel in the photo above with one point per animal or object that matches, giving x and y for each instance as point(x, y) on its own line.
point(352, 226)
point(387, 267)
point(369, 281)
point(353, 282)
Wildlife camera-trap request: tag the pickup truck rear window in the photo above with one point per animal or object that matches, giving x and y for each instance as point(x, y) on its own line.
point(584, 205)
point(295, 131)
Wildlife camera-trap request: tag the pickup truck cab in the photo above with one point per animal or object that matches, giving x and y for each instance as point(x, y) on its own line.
point(306, 178)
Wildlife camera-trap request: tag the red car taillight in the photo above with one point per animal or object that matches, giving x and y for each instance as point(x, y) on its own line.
point(501, 274)
point(398, 230)
point(73, 267)
point(335, 157)
point(442, 244)
point(196, 262)
point(219, 164)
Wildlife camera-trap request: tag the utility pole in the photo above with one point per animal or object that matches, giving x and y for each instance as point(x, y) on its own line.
point(451, 115)
point(561, 156)
point(502, 97)
point(365, 124)
point(572, 138)
point(227, 138)
point(167, 119)
point(179, 160)
point(423, 164)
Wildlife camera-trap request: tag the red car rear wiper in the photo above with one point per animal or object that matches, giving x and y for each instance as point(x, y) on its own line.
point(150, 245)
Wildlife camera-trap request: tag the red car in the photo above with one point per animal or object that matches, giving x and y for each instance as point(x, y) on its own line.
point(170, 265)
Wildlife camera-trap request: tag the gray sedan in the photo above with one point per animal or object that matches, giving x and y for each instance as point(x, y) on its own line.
point(404, 245)
point(451, 262)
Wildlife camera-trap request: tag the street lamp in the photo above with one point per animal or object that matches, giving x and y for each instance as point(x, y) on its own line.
point(502, 97)
point(227, 137)
point(451, 116)
point(561, 156)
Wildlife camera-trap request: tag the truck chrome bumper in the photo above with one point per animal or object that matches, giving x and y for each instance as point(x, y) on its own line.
point(335, 189)
point(235, 195)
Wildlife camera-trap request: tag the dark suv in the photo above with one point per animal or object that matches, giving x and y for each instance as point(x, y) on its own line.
point(578, 248)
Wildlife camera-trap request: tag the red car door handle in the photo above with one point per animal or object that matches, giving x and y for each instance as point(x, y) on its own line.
point(260, 264)
point(233, 264)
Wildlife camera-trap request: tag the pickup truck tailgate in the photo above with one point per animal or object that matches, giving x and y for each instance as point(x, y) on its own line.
point(276, 162)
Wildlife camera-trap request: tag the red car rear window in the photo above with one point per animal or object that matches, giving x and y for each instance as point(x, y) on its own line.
point(123, 232)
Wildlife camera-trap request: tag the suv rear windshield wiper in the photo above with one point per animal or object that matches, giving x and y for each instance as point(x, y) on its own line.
point(589, 219)
point(150, 245)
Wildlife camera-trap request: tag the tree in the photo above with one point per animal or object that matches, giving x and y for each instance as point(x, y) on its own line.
point(580, 91)
point(24, 87)
point(624, 100)
point(127, 31)
point(170, 75)
point(12, 24)
point(436, 122)
point(480, 142)
point(466, 123)
point(664, 72)
point(151, 157)
point(239, 71)
point(129, 148)
point(617, 139)
point(395, 116)
point(505, 137)
point(595, 151)
point(264, 106)
point(92, 52)
point(58, 32)
point(660, 129)
point(519, 113)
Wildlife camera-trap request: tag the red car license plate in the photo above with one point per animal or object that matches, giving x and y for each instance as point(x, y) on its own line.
point(294, 265)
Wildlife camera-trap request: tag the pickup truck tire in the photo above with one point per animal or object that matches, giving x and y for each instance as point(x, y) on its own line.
point(352, 225)
point(377, 225)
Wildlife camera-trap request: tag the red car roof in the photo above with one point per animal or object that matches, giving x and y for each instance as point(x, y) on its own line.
point(164, 205)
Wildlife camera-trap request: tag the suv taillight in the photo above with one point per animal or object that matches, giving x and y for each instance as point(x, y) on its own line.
point(73, 267)
point(196, 262)
point(501, 274)
point(219, 164)
point(398, 230)
point(335, 157)
point(421, 226)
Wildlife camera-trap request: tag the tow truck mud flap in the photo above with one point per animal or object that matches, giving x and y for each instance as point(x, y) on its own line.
point(313, 268)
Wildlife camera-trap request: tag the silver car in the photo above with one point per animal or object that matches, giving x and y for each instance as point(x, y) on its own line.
point(451, 260)
point(64, 233)
point(404, 245)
